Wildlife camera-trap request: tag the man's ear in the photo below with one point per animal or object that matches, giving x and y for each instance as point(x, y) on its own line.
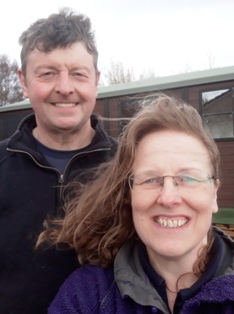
point(98, 77)
point(23, 83)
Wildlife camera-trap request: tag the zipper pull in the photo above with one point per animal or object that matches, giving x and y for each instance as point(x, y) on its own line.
point(61, 180)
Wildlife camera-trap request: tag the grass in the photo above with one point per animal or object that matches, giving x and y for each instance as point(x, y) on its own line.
point(225, 215)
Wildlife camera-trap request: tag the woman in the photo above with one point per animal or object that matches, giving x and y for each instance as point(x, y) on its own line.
point(144, 225)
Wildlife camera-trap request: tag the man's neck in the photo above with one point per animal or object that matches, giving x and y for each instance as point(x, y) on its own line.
point(66, 140)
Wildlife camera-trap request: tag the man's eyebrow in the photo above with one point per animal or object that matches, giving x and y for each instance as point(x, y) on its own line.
point(45, 67)
point(80, 68)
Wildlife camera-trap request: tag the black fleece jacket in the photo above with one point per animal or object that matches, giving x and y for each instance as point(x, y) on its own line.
point(30, 189)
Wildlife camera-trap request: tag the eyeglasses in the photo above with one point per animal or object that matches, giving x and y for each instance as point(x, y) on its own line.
point(151, 180)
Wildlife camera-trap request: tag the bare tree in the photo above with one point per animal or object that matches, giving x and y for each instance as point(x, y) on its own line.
point(117, 74)
point(10, 88)
point(147, 74)
point(211, 60)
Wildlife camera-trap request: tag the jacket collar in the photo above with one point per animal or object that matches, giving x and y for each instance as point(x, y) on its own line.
point(23, 139)
point(133, 282)
point(131, 279)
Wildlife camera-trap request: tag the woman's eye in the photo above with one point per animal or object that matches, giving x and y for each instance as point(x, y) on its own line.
point(186, 179)
point(152, 180)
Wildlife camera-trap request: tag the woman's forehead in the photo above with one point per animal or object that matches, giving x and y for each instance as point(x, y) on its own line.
point(175, 148)
point(166, 140)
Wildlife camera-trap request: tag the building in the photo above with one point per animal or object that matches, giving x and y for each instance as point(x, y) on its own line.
point(211, 92)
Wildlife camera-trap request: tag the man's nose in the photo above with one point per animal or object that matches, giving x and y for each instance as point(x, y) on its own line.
point(64, 84)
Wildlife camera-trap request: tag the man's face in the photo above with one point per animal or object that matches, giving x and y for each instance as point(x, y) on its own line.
point(62, 88)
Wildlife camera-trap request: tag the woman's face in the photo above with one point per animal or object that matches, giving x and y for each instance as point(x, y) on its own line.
point(172, 219)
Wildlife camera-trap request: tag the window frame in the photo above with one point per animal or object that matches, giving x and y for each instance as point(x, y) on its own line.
point(203, 115)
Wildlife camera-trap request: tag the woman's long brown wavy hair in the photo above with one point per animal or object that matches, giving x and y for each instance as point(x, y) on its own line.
point(98, 219)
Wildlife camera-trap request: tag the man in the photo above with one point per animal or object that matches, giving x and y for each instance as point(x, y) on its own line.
point(56, 145)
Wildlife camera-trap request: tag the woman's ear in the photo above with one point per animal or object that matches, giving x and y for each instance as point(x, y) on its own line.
point(215, 204)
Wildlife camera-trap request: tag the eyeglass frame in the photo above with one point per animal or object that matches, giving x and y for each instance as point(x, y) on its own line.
point(131, 178)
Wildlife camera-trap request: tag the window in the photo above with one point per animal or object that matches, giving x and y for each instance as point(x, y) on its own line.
point(218, 112)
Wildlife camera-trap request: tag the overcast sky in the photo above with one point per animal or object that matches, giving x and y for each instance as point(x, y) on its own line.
point(168, 36)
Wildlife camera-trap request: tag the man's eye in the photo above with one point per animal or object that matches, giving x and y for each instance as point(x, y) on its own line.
point(49, 73)
point(79, 74)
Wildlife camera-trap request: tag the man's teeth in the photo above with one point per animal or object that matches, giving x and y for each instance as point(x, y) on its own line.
point(65, 105)
point(169, 223)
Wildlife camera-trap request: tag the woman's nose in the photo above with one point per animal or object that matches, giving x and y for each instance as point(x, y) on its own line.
point(168, 194)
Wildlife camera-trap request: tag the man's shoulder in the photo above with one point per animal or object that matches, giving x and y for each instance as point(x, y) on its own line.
point(3, 148)
point(3, 143)
point(97, 125)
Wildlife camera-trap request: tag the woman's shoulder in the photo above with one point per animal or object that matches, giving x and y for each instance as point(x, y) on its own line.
point(89, 272)
point(84, 290)
point(215, 296)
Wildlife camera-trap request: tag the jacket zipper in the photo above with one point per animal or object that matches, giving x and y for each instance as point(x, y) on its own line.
point(61, 176)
